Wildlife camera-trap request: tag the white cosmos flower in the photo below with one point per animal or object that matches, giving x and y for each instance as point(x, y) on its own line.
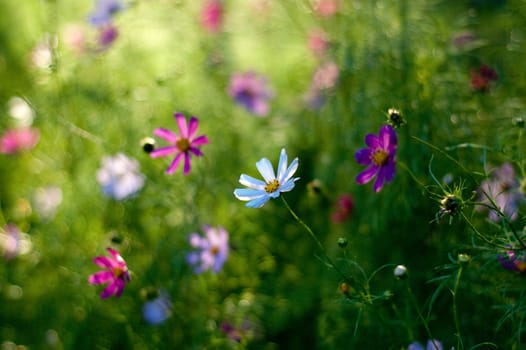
point(259, 192)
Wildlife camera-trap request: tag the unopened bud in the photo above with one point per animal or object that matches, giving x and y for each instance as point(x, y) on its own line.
point(148, 144)
point(342, 242)
point(400, 271)
point(464, 258)
point(345, 289)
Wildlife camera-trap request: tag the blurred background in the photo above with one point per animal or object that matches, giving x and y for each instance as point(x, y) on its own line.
point(85, 82)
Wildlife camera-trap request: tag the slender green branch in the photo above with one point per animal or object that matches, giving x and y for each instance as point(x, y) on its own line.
point(460, 345)
point(480, 235)
point(424, 321)
point(328, 260)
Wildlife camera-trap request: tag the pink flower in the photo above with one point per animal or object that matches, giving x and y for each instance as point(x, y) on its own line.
point(326, 76)
point(115, 274)
point(326, 8)
point(212, 249)
point(13, 242)
point(482, 78)
point(182, 145)
point(17, 140)
point(251, 91)
point(318, 43)
point(344, 207)
point(212, 15)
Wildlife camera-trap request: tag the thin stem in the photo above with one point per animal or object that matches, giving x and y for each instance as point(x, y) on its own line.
point(328, 260)
point(424, 322)
point(480, 235)
point(455, 310)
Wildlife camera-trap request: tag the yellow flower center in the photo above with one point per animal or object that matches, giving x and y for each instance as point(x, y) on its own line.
point(118, 272)
point(272, 186)
point(182, 144)
point(379, 157)
point(214, 250)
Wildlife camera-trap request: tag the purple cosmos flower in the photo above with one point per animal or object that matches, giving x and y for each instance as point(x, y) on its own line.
point(431, 345)
point(259, 192)
point(13, 242)
point(212, 249)
point(120, 176)
point(18, 140)
point(104, 11)
point(504, 189)
point(251, 91)
point(157, 310)
point(379, 157)
point(107, 35)
point(115, 274)
point(182, 145)
point(514, 261)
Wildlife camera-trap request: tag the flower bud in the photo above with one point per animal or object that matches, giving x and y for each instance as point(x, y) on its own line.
point(395, 118)
point(342, 242)
point(400, 272)
point(519, 122)
point(345, 289)
point(148, 144)
point(463, 258)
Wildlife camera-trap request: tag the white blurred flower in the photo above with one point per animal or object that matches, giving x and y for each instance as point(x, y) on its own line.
point(42, 54)
point(21, 111)
point(400, 271)
point(120, 176)
point(13, 242)
point(47, 199)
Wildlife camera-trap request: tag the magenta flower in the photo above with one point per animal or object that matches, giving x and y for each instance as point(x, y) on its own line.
point(17, 140)
point(212, 249)
point(513, 261)
point(107, 35)
point(212, 15)
point(482, 78)
point(379, 157)
point(504, 189)
point(251, 91)
point(182, 145)
point(115, 274)
point(343, 209)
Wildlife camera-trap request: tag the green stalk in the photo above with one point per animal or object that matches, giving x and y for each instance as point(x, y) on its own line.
point(455, 309)
point(328, 260)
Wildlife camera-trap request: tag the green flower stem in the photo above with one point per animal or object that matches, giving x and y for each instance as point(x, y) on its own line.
point(328, 260)
point(455, 309)
point(480, 235)
point(422, 318)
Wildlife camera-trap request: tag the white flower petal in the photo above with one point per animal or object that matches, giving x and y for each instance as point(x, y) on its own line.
point(282, 166)
point(289, 185)
point(258, 202)
point(285, 176)
point(251, 182)
point(265, 169)
point(247, 194)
